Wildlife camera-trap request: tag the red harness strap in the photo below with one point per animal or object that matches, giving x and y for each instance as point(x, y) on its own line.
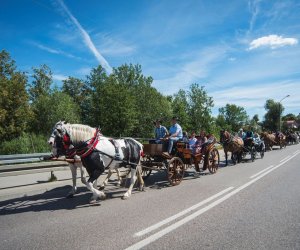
point(90, 147)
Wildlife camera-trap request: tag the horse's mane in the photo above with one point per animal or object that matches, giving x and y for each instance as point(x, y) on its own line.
point(80, 133)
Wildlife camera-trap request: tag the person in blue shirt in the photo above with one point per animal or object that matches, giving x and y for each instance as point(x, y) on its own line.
point(176, 134)
point(160, 131)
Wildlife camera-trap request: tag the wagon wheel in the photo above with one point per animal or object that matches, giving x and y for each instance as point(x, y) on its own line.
point(175, 171)
point(145, 170)
point(212, 160)
point(253, 153)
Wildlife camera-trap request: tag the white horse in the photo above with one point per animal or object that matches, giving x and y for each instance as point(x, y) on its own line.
point(97, 153)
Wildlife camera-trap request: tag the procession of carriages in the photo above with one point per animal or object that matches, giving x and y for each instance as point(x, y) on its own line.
point(82, 145)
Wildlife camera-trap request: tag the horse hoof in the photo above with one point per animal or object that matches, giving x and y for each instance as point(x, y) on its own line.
point(101, 188)
point(125, 197)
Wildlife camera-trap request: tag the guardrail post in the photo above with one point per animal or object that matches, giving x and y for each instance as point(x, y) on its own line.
point(52, 176)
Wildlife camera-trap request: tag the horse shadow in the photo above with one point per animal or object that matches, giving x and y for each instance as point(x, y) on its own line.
point(52, 200)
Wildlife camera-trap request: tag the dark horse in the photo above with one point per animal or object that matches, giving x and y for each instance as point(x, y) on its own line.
point(291, 138)
point(231, 144)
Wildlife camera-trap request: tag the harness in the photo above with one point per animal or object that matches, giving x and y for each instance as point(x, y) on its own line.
point(85, 150)
point(82, 151)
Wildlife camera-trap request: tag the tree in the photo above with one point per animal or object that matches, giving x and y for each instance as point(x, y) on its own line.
point(41, 85)
point(50, 109)
point(200, 105)
point(235, 116)
point(180, 106)
point(273, 114)
point(81, 95)
point(14, 107)
point(116, 114)
point(289, 117)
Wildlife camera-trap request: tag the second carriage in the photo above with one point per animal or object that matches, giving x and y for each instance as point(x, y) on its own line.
point(182, 159)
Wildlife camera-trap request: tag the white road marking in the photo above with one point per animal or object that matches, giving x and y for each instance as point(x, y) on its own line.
point(192, 216)
point(261, 172)
point(163, 222)
point(285, 158)
point(296, 152)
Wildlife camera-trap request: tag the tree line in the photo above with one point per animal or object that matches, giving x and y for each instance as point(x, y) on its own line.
point(123, 103)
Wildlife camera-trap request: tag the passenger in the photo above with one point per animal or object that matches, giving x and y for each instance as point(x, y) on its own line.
point(193, 142)
point(175, 134)
point(202, 139)
point(185, 137)
point(241, 133)
point(160, 131)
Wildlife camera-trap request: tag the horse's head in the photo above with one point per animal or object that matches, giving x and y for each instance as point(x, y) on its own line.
point(56, 138)
point(224, 136)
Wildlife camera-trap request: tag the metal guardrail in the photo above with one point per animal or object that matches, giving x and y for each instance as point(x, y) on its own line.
point(20, 164)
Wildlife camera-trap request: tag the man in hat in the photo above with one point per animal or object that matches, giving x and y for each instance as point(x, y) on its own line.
point(159, 131)
point(175, 132)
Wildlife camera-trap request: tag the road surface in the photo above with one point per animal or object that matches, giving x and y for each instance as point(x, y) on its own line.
point(246, 206)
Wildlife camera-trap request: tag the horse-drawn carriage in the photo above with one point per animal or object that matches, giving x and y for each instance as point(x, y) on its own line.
point(182, 158)
point(253, 147)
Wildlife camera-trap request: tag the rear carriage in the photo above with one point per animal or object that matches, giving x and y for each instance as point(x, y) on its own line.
point(181, 160)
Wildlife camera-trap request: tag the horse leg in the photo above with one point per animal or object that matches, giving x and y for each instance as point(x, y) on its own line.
point(140, 178)
point(96, 193)
point(104, 183)
point(132, 181)
point(82, 172)
point(226, 156)
point(73, 168)
point(233, 157)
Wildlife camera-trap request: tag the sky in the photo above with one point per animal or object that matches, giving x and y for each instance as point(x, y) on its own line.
point(242, 51)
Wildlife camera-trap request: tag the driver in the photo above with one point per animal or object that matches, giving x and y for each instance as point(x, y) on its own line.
point(176, 134)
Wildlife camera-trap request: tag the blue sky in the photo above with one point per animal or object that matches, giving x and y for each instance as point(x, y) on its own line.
point(243, 52)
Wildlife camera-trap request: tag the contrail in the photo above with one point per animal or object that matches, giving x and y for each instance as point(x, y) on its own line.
point(87, 39)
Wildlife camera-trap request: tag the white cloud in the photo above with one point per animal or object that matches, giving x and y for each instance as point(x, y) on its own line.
point(86, 38)
point(272, 41)
point(54, 51)
point(196, 70)
point(59, 77)
point(113, 46)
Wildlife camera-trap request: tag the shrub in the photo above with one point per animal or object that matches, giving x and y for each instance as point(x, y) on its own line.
point(25, 144)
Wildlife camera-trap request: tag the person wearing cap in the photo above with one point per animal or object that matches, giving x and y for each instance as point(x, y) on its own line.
point(176, 134)
point(159, 131)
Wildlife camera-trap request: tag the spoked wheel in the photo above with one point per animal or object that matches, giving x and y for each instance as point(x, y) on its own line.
point(175, 171)
point(146, 162)
point(213, 160)
point(253, 153)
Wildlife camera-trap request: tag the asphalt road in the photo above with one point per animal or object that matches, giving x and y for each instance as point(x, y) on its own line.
point(247, 206)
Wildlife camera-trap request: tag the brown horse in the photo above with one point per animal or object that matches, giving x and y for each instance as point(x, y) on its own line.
point(274, 139)
point(231, 144)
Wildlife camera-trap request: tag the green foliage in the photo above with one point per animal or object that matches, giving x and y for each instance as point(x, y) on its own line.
point(41, 85)
point(14, 106)
point(200, 105)
point(25, 144)
point(234, 116)
point(289, 117)
point(50, 109)
point(193, 107)
point(274, 112)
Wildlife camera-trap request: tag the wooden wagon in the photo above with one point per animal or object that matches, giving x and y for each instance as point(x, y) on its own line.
point(182, 159)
